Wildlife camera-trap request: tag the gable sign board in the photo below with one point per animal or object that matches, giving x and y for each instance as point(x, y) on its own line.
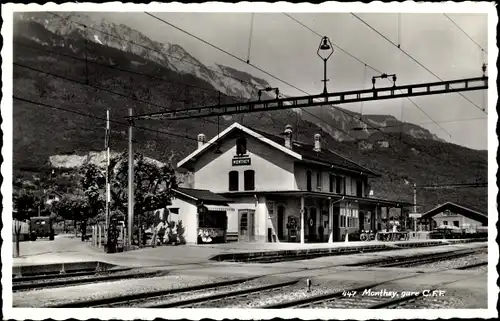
point(241, 161)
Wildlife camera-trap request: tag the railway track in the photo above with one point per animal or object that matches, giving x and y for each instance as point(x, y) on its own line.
point(381, 298)
point(223, 297)
point(223, 294)
point(139, 298)
point(414, 260)
point(77, 278)
point(472, 266)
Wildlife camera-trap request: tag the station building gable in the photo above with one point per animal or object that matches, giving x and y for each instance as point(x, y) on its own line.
point(456, 215)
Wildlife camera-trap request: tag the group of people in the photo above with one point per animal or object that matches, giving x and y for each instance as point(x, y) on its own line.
point(164, 234)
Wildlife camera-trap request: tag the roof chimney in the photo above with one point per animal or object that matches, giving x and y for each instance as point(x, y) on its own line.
point(288, 136)
point(201, 140)
point(317, 143)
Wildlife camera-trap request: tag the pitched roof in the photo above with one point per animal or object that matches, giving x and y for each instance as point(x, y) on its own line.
point(324, 156)
point(458, 209)
point(228, 130)
point(301, 152)
point(201, 195)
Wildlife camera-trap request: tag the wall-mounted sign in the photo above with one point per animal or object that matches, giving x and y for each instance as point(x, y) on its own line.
point(241, 161)
point(415, 215)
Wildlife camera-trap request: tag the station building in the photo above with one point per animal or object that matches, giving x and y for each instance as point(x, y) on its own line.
point(279, 190)
point(456, 215)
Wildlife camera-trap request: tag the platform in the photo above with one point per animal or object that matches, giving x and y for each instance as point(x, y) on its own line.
point(65, 249)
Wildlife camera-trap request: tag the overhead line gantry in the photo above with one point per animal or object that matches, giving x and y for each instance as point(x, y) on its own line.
point(345, 97)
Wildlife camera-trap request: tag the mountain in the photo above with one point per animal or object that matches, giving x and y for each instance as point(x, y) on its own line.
point(220, 77)
point(171, 56)
point(121, 76)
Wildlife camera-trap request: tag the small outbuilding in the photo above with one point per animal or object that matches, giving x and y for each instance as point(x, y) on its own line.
point(201, 214)
point(452, 214)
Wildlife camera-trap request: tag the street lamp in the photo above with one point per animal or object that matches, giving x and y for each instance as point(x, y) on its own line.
point(325, 47)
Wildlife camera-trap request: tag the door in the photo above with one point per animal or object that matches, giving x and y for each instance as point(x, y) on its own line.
point(361, 220)
point(246, 225)
point(281, 219)
point(335, 223)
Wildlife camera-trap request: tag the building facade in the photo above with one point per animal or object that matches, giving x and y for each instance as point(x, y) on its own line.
point(285, 191)
point(455, 215)
point(198, 216)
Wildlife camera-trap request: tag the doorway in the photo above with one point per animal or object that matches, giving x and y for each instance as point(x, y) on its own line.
point(335, 223)
point(281, 221)
point(246, 225)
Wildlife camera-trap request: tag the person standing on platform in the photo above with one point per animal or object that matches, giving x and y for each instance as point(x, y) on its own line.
point(160, 230)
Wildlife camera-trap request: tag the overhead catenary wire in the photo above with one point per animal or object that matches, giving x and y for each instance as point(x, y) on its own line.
point(101, 88)
point(371, 67)
point(283, 81)
point(97, 88)
point(243, 81)
point(250, 38)
point(364, 63)
point(411, 57)
point(149, 48)
point(465, 33)
point(122, 123)
point(94, 62)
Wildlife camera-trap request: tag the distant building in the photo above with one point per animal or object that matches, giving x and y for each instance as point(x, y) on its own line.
point(456, 215)
point(281, 189)
point(48, 196)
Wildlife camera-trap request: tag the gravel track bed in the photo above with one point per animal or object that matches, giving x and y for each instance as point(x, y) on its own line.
point(193, 294)
point(431, 303)
point(455, 262)
point(358, 301)
point(47, 297)
point(294, 292)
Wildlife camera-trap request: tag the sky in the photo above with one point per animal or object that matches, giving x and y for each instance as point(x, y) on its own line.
point(287, 50)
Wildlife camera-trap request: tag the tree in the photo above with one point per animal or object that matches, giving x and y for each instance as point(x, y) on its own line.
point(73, 207)
point(93, 180)
point(26, 204)
point(153, 183)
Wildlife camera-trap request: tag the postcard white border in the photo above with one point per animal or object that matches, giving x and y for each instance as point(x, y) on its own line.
point(60, 314)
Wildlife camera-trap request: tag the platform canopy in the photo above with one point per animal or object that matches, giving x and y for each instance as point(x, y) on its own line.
point(457, 209)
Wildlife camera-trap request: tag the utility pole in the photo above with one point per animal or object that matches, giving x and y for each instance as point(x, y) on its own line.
point(130, 180)
point(415, 205)
point(108, 192)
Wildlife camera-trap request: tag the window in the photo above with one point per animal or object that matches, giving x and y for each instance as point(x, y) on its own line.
point(338, 184)
point(359, 188)
point(456, 223)
point(241, 146)
point(342, 218)
point(233, 181)
point(174, 210)
point(319, 180)
point(445, 222)
point(249, 180)
point(332, 181)
point(212, 219)
point(309, 180)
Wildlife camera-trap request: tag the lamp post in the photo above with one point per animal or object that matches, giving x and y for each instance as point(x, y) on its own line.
point(325, 47)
